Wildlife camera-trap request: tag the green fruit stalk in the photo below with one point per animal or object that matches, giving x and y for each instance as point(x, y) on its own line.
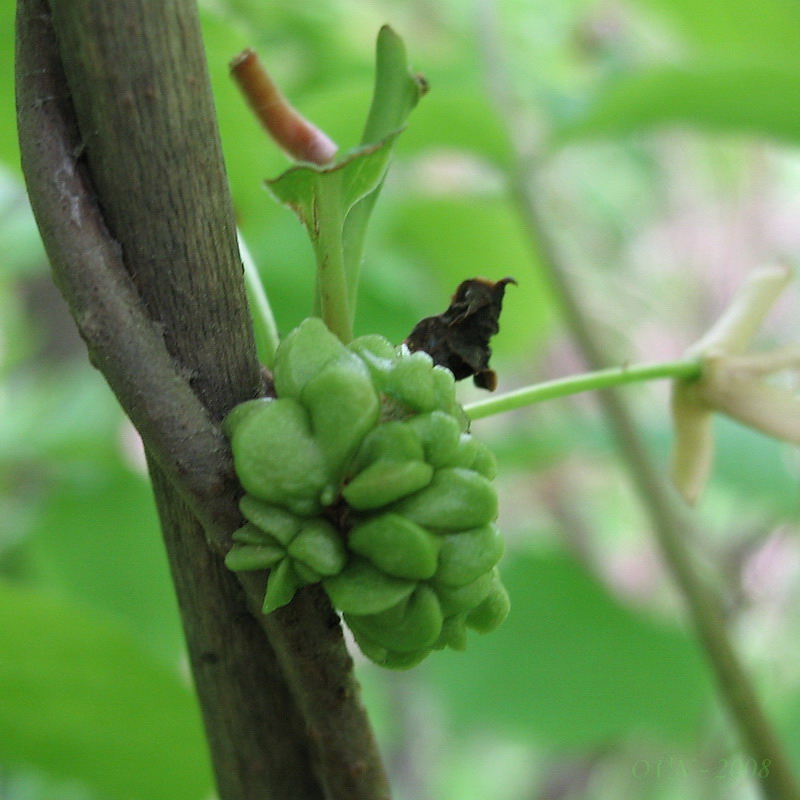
point(361, 475)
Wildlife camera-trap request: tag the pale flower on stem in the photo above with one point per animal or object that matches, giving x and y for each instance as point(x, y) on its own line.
point(732, 381)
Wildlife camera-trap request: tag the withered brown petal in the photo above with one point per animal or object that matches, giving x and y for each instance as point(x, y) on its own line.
point(459, 338)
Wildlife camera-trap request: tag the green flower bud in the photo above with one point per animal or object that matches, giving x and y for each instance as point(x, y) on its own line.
point(455, 499)
point(282, 584)
point(413, 624)
point(467, 555)
point(320, 547)
point(344, 407)
point(361, 588)
point(411, 381)
point(275, 520)
point(396, 546)
point(455, 600)
point(384, 482)
point(276, 457)
point(440, 435)
point(302, 355)
point(488, 614)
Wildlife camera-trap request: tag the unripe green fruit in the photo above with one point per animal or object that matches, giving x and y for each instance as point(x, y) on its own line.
point(319, 546)
point(302, 355)
point(276, 521)
point(467, 555)
point(344, 407)
point(391, 441)
point(250, 555)
point(282, 583)
point(466, 451)
point(474, 455)
point(455, 600)
point(387, 658)
point(373, 345)
point(396, 546)
point(413, 624)
point(384, 482)
point(491, 612)
point(237, 415)
point(378, 355)
point(454, 500)
point(439, 434)
point(484, 462)
point(454, 633)
point(361, 476)
point(277, 458)
point(361, 588)
point(411, 382)
point(444, 388)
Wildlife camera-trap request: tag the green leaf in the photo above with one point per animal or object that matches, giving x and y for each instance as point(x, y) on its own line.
point(397, 90)
point(97, 542)
point(737, 29)
point(357, 174)
point(572, 666)
point(9, 150)
point(322, 197)
point(711, 96)
point(80, 699)
point(396, 94)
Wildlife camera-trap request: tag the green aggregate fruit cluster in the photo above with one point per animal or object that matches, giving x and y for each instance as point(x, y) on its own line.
point(361, 476)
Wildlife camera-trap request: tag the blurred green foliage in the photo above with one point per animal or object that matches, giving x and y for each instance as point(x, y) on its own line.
point(592, 670)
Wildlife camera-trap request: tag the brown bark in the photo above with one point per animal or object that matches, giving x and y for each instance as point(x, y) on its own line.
point(124, 168)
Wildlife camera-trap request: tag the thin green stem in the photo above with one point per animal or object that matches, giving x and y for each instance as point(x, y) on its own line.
point(264, 327)
point(589, 381)
point(328, 247)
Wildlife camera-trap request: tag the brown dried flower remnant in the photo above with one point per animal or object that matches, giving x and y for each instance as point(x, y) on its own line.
point(459, 338)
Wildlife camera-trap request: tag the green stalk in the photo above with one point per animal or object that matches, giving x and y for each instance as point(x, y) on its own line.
point(328, 247)
point(264, 326)
point(586, 382)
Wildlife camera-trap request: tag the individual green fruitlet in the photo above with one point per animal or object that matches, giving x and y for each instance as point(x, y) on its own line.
point(362, 588)
point(415, 623)
point(276, 456)
point(384, 482)
point(302, 355)
point(466, 555)
point(455, 499)
point(396, 545)
point(362, 476)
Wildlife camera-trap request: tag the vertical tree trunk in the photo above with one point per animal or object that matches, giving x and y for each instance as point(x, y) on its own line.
point(123, 162)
